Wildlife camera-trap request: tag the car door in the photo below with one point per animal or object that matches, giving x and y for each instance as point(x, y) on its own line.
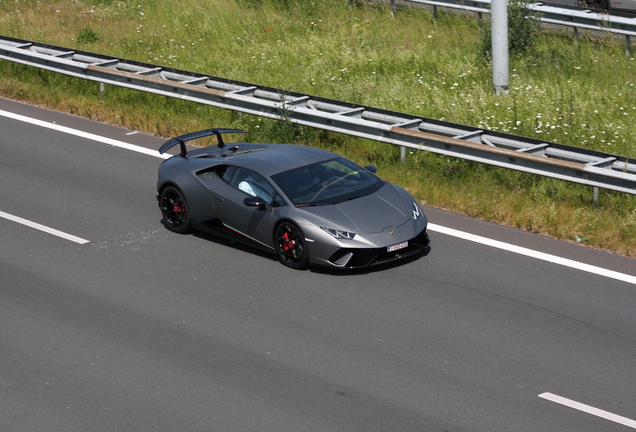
point(250, 222)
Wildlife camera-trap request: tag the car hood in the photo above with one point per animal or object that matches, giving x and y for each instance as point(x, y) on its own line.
point(368, 214)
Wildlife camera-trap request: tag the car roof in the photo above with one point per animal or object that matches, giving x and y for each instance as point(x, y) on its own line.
point(267, 159)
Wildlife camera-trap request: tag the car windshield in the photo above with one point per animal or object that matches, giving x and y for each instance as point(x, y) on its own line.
point(328, 182)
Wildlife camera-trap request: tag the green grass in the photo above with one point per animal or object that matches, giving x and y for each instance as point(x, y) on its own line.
point(562, 92)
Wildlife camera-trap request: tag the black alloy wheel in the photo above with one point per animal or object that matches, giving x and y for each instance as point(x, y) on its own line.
point(291, 246)
point(174, 209)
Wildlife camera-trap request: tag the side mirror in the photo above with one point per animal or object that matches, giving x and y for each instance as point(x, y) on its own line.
point(254, 201)
point(372, 168)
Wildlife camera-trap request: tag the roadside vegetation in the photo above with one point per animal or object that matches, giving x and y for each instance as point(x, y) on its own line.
point(575, 91)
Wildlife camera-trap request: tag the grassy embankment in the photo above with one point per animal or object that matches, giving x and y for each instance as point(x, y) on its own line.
point(579, 92)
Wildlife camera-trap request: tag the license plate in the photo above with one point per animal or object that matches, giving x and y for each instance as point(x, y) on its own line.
point(397, 246)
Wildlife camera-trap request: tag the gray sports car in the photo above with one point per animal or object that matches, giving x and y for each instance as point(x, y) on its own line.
point(309, 206)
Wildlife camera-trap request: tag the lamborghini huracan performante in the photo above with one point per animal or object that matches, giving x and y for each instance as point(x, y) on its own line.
point(309, 206)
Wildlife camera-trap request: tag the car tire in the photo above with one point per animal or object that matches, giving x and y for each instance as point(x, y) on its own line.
point(291, 246)
point(175, 210)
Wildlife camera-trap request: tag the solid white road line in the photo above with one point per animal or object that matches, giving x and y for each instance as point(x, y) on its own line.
point(43, 228)
point(534, 254)
point(589, 409)
point(433, 227)
point(90, 136)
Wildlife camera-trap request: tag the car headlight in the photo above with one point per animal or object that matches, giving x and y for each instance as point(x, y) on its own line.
point(339, 234)
point(417, 211)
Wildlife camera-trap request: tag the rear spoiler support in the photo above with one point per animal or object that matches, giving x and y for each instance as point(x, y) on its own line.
point(182, 139)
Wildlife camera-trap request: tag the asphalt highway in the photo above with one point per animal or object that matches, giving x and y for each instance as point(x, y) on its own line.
point(109, 322)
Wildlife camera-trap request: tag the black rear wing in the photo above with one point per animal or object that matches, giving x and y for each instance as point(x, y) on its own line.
point(182, 139)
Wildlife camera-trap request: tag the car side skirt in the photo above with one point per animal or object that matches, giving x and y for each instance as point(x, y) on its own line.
point(218, 228)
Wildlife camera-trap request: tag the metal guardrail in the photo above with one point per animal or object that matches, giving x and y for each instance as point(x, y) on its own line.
point(529, 155)
point(569, 16)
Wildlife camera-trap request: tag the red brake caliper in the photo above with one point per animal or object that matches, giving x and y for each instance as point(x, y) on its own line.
point(288, 245)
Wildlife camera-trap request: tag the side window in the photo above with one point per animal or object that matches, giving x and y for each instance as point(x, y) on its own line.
point(278, 201)
point(226, 173)
point(253, 184)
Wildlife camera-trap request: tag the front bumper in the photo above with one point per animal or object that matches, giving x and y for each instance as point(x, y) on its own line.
point(360, 258)
point(350, 257)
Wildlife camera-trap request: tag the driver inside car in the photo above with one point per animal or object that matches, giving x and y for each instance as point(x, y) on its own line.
point(313, 178)
point(256, 185)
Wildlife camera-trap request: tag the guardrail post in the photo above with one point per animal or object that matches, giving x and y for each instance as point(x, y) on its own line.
point(595, 196)
point(627, 45)
point(575, 29)
point(392, 8)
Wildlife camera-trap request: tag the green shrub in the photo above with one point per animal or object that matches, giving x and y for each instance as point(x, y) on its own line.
point(88, 36)
point(523, 29)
